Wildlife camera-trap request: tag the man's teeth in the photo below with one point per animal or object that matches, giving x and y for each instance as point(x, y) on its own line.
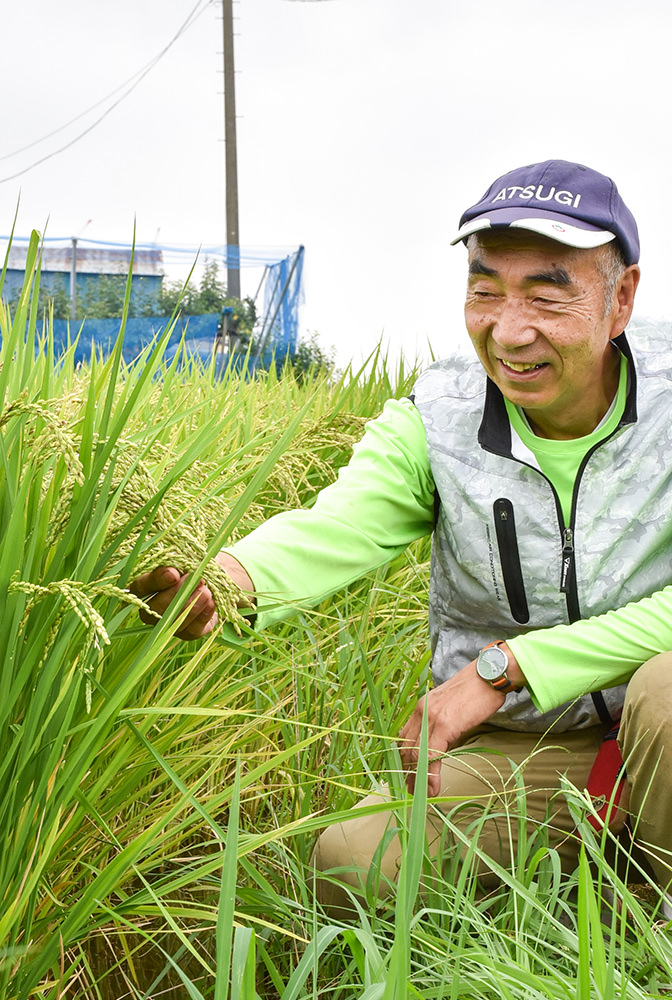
point(521, 367)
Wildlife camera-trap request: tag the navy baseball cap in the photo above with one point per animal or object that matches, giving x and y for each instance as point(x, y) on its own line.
point(564, 201)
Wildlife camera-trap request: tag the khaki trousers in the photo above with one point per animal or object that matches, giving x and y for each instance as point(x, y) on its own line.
point(482, 785)
point(646, 741)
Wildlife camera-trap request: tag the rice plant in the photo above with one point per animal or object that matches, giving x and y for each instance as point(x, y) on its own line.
point(160, 799)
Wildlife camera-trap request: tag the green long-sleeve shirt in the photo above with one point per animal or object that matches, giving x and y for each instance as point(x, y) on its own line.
point(381, 502)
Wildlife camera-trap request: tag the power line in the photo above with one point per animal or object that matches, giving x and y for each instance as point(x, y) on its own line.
point(137, 78)
point(83, 114)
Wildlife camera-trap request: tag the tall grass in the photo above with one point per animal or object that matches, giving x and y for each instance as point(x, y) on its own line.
point(159, 800)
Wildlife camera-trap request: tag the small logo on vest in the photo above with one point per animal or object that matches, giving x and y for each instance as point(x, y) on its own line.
point(491, 560)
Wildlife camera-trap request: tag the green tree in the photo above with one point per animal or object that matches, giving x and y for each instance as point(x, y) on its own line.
point(174, 295)
point(144, 297)
point(103, 297)
point(212, 291)
point(54, 295)
point(310, 360)
point(207, 298)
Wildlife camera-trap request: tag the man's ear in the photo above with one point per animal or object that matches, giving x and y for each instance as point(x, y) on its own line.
point(624, 299)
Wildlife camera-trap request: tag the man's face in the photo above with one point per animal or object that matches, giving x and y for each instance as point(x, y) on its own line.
point(535, 311)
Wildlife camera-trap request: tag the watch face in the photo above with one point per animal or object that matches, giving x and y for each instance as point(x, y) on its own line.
point(492, 663)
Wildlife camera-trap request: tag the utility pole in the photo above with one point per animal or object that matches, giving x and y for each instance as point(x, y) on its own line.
point(73, 280)
point(231, 154)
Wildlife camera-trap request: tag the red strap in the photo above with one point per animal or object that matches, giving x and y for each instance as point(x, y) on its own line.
point(606, 779)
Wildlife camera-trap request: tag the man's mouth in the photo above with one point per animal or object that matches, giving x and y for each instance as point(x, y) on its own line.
point(522, 366)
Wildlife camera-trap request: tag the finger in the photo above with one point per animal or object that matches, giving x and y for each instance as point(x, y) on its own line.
point(197, 630)
point(409, 737)
point(434, 777)
point(161, 578)
point(201, 617)
point(200, 610)
point(410, 754)
point(160, 602)
point(409, 759)
point(409, 741)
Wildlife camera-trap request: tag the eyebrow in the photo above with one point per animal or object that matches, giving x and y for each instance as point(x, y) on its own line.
point(478, 267)
point(555, 276)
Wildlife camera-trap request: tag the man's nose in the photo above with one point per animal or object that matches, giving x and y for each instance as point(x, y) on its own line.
point(512, 324)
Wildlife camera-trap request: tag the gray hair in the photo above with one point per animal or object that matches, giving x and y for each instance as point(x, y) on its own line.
point(610, 266)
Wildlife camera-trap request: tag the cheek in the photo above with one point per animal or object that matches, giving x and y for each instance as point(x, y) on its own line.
point(564, 336)
point(477, 321)
point(477, 336)
point(479, 343)
point(577, 343)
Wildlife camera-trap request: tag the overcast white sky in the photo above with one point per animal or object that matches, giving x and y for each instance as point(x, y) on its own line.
point(365, 128)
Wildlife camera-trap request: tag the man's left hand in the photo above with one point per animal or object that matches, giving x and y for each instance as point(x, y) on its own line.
point(453, 709)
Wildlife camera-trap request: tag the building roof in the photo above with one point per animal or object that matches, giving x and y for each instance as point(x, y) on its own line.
point(91, 260)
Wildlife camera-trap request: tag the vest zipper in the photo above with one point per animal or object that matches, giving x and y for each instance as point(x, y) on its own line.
point(568, 584)
point(567, 559)
point(567, 574)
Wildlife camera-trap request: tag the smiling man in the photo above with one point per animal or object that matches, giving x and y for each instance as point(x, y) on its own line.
point(544, 471)
point(537, 316)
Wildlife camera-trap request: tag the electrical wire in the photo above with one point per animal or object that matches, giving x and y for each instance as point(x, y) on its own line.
point(83, 114)
point(137, 78)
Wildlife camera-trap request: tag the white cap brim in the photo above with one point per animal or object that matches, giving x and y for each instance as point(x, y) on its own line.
point(562, 232)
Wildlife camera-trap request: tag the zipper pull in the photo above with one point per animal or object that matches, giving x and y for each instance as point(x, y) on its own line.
point(567, 559)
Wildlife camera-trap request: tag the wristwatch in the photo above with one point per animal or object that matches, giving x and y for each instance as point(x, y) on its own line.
point(492, 665)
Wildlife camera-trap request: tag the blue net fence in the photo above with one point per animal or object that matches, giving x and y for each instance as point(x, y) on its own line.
point(275, 277)
point(282, 298)
point(199, 332)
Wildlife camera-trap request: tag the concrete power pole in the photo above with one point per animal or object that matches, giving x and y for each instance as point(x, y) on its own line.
point(73, 280)
point(231, 154)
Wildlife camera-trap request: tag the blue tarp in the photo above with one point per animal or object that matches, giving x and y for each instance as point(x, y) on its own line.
point(103, 333)
point(199, 333)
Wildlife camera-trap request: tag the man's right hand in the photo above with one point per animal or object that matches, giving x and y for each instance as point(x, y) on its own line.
point(159, 588)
